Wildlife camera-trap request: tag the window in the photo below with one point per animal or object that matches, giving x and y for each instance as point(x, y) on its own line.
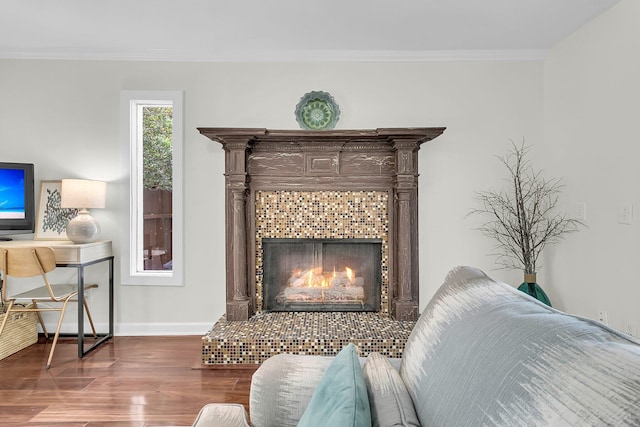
point(152, 126)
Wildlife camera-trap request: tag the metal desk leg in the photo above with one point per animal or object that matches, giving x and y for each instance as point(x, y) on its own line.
point(80, 311)
point(110, 297)
point(81, 298)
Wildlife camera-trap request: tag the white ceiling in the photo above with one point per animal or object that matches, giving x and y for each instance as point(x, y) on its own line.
point(224, 30)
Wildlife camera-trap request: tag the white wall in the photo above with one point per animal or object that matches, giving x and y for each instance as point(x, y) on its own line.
point(591, 107)
point(63, 116)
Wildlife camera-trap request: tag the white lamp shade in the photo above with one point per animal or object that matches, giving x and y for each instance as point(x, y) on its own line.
point(83, 193)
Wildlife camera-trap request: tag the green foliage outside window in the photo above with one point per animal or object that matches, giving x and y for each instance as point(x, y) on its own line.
point(157, 148)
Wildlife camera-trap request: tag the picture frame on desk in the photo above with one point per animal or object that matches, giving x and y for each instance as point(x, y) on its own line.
point(51, 219)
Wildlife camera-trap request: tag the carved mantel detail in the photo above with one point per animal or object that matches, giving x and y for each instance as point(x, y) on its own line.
point(384, 159)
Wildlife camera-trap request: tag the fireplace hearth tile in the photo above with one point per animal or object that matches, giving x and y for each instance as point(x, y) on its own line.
point(312, 333)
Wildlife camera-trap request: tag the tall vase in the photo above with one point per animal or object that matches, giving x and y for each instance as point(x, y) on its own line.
point(531, 288)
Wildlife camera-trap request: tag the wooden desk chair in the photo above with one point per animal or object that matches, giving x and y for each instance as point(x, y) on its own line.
point(31, 262)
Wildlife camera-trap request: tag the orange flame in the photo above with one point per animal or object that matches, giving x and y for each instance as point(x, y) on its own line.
point(349, 273)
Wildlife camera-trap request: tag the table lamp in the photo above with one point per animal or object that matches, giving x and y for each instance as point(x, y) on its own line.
point(83, 194)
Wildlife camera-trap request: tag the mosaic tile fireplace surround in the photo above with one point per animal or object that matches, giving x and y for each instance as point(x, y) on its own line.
point(339, 216)
point(289, 184)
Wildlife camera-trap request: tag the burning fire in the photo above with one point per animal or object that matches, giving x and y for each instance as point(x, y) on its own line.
point(350, 274)
point(315, 279)
point(314, 285)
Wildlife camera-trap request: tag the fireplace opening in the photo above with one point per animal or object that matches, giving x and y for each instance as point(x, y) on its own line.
point(321, 274)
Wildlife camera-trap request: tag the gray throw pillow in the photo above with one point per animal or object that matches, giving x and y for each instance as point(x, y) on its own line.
point(389, 399)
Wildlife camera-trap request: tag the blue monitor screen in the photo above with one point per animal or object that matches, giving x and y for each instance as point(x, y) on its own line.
point(12, 194)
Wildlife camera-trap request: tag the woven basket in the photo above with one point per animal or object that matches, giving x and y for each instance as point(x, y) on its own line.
point(20, 332)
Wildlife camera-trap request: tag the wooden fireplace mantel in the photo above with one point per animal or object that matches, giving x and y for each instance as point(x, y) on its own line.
point(383, 159)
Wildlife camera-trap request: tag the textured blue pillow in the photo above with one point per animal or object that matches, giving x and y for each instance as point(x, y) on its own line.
point(341, 396)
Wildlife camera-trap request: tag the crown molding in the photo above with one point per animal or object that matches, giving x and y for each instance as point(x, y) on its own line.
point(244, 55)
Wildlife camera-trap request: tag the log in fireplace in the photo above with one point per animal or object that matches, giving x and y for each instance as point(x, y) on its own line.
point(338, 184)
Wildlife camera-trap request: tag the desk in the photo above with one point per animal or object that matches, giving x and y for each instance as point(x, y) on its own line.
point(78, 256)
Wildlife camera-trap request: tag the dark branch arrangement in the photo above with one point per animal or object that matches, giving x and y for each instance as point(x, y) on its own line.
point(522, 220)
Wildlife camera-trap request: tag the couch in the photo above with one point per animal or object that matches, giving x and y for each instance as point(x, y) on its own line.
point(481, 353)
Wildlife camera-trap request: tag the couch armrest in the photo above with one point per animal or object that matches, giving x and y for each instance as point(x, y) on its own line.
point(222, 414)
point(282, 387)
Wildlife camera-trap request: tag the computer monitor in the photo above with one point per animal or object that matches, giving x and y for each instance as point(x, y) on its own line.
point(17, 199)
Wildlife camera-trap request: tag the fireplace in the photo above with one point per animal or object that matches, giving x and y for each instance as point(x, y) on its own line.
point(321, 216)
point(338, 184)
point(321, 274)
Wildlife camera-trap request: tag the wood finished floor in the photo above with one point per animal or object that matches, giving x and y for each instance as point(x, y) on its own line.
point(128, 381)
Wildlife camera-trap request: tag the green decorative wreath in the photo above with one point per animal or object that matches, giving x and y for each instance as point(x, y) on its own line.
point(317, 111)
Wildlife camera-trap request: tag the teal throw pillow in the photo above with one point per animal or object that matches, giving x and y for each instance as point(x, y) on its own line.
point(340, 399)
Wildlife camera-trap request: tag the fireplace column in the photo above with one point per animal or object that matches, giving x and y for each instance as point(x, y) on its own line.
point(238, 301)
point(404, 305)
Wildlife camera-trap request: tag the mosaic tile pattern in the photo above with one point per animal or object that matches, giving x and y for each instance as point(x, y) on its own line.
point(323, 214)
point(312, 333)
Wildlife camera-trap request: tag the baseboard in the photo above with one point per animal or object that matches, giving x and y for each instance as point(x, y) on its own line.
point(151, 329)
point(142, 329)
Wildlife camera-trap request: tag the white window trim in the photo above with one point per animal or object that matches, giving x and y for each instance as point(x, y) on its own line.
point(132, 200)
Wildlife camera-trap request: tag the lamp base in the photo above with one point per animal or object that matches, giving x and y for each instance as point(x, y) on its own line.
point(83, 228)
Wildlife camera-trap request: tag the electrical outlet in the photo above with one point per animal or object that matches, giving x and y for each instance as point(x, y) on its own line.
point(602, 317)
point(625, 214)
